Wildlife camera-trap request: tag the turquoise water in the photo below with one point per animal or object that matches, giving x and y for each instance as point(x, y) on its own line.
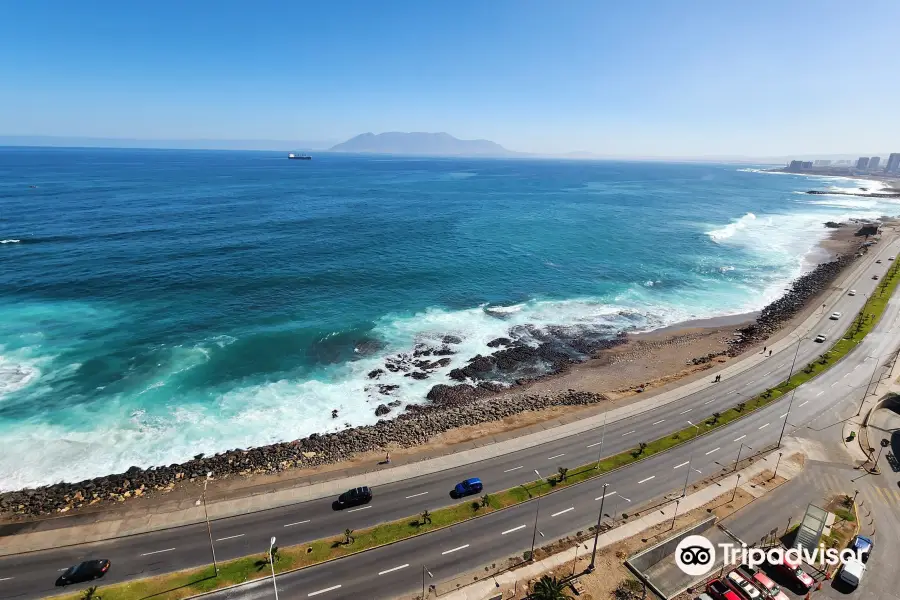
point(158, 304)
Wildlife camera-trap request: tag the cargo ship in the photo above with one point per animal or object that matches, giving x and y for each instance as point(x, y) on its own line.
point(299, 157)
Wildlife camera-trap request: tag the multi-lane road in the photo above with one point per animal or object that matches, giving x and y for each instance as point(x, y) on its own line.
point(392, 570)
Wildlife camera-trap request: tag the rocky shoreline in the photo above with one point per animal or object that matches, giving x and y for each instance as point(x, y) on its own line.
point(451, 406)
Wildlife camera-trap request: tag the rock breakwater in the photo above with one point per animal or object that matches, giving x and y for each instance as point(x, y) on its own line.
point(411, 428)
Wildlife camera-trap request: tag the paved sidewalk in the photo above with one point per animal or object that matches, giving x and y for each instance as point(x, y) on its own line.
point(488, 588)
point(51, 534)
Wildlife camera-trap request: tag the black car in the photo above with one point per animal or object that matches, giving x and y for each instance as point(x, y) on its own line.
point(86, 571)
point(354, 497)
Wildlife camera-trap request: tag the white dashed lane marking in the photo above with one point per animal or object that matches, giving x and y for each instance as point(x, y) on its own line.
point(648, 479)
point(416, 495)
point(764, 426)
point(334, 587)
point(819, 394)
point(556, 514)
point(513, 469)
point(739, 438)
point(513, 529)
point(684, 412)
point(394, 569)
point(713, 450)
point(804, 402)
point(682, 464)
point(297, 523)
point(358, 509)
point(628, 433)
point(230, 537)
point(660, 421)
point(557, 456)
point(157, 552)
point(455, 549)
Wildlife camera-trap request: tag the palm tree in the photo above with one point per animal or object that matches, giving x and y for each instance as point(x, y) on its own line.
point(90, 593)
point(426, 517)
point(716, 417)
point(741, 406)
point(348, 537)
point(485, 500)
point(641, 447)
point(273, 555)
point(563, 471)
point(549, 588)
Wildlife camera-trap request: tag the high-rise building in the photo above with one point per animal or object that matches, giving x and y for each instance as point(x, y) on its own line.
point(807, 164)
point(862, 163)
point(873, 162)
point(893, 163)
point(795, 165)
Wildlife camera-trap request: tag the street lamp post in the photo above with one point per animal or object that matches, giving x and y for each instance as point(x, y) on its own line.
point(690, 463)
point(734, 492)
point(212, 548)
point(272, 564)
point(590, 568)
point(793, 392)
point(739, 456)
point(675, 516)
point(866, 392)
point(537, 512)
point(602, 435)
point(424, 571)
point(778, 462)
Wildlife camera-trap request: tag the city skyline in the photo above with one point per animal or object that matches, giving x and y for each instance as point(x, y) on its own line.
point(612, 81)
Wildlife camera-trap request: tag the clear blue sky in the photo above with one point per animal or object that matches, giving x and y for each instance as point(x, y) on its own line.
point(666, 78)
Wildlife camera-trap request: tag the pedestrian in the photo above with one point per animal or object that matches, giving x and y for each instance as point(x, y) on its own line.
point(770, 353)
point(764, 349)
point(387, 458)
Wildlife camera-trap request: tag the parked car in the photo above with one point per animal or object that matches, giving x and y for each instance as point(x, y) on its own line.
point(878, 262)
point(468, 487)
point(86, 571)
point(835, 316)
point(703, 596)
point(719, 591)
point(768, 587)
point(852, 572)
point(875, 277)
point(793, 572)
point(820, 338)
point(354, 497)
point(890, 258)
point(863, 546)
point(851, 293)
point(742, 585)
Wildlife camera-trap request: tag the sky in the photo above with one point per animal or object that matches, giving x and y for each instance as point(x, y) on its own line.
point(650, 78)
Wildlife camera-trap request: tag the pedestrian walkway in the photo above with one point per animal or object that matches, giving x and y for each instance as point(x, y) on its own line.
point(54, 533)
point(509, 580)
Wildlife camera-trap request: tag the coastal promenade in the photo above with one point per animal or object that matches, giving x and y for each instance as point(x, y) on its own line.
point(296, 516)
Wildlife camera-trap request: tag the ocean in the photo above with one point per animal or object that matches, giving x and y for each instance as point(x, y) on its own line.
point(159, 304)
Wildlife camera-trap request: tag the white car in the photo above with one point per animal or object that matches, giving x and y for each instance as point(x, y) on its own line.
point(835, 316)
point(820, 338)
point(852, 572)
point(851, 293)
point(743, 584)
point(890, 258)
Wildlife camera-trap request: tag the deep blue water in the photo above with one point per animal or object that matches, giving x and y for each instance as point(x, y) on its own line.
point(157, 304)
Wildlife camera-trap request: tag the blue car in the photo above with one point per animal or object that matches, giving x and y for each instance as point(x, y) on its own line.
point(468, 487)
point(863, 545)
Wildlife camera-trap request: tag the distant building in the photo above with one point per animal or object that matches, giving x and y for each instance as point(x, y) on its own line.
point(795, 165)
point(873, 162)
point(862, 163)
point(822, 163)
point(807, 164)
point(893, 163)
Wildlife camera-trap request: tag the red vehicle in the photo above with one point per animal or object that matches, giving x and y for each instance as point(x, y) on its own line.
point(769, 588)
point(793, 571)
point(718, 590)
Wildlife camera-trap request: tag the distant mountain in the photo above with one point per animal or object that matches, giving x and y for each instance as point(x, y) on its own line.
point(430, 144)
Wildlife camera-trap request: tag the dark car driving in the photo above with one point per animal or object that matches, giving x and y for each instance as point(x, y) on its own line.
point(468, 487)
point(354, 497)
point(86, 571)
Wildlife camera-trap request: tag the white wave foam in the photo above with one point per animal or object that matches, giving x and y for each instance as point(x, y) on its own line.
point(10, 241)
point(724, 233)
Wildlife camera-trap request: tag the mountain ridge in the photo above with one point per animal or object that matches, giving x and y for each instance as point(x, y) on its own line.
point(420, 143)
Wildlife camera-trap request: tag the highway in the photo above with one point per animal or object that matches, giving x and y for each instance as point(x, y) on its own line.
point(395, 569)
